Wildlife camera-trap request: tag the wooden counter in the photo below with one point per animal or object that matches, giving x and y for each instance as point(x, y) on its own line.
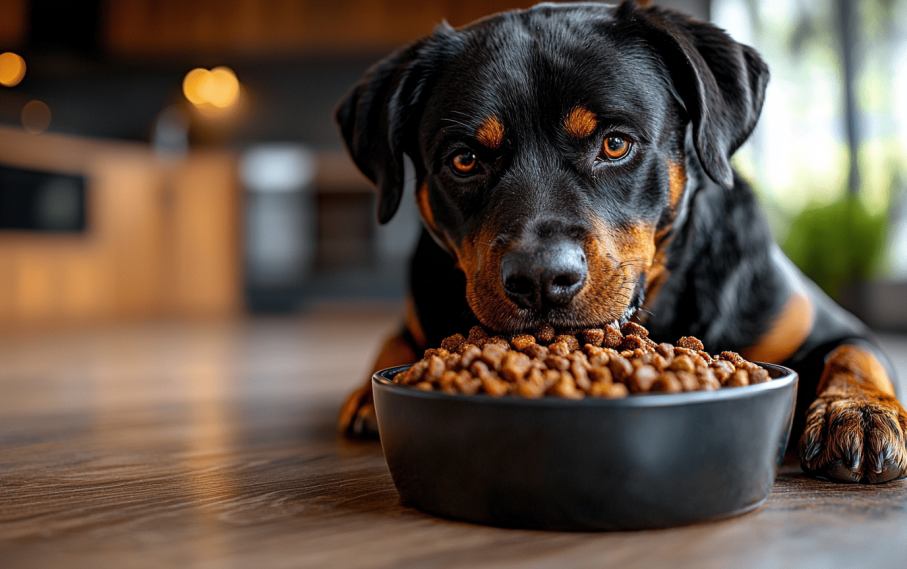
point(213, 445)
point(162, 237)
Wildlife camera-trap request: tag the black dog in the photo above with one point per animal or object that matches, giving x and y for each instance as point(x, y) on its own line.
point(571, 166)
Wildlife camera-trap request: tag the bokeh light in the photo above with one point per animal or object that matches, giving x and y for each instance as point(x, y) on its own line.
point(191, 83)
point(218, 87)
point(12, 69)
point(35, 117)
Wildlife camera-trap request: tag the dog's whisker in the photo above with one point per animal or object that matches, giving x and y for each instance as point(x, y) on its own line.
point(464, 125)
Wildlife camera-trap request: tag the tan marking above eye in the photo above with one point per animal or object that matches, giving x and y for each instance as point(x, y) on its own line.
point(580, 123)
point(464, 162)
point(490, 133)
point(615, 147)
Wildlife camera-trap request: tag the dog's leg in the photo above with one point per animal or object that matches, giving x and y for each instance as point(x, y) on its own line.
point(357, 415)
point(855, 429)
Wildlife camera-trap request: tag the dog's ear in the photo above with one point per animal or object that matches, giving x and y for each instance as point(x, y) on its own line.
point(720, 82)
point(377, 120)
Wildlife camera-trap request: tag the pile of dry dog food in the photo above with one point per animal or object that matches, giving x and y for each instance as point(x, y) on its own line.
point(606, 362)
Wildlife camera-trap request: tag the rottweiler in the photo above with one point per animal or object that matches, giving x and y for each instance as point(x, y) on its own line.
point(571, 165)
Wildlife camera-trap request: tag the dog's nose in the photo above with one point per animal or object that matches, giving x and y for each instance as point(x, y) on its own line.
point(547, 276)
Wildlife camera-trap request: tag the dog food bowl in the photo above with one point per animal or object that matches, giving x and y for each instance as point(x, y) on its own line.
point(646, 461)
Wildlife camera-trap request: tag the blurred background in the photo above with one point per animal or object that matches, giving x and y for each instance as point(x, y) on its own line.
point(178, 158)
point(192, 278)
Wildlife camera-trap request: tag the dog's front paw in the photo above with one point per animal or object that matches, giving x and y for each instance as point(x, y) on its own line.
point(854, 438)
point(357, 416)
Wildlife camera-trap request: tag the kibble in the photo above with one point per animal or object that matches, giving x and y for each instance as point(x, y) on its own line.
point(599, 362)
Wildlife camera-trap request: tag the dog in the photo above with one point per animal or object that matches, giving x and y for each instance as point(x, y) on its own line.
point(571, 165)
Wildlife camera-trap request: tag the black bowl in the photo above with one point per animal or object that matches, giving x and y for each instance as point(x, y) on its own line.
point(646, 461)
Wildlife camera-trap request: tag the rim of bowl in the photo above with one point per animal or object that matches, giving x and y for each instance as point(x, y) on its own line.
point(786, 377)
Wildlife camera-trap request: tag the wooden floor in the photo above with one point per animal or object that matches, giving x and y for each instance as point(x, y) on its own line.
point(213, 445)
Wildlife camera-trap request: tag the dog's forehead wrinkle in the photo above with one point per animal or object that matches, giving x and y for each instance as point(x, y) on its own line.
point(528, 76)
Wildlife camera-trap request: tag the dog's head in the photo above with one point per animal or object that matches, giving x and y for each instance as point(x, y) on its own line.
point(550, 149)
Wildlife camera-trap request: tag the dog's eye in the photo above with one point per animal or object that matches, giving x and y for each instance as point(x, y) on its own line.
point(464, 163)
point(615, 147)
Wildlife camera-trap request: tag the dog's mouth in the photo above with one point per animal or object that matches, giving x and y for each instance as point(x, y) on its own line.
point(566, 321)
point(583, 314)
point(609, 290)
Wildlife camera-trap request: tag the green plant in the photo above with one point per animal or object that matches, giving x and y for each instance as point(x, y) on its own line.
point(837, 243)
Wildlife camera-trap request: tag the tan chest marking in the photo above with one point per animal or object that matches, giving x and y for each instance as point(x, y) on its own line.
point(789, 330)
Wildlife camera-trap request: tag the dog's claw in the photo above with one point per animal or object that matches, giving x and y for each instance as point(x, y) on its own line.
point(365, 425)
point(880, 464)
point(812, 450)
point(853, 461)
